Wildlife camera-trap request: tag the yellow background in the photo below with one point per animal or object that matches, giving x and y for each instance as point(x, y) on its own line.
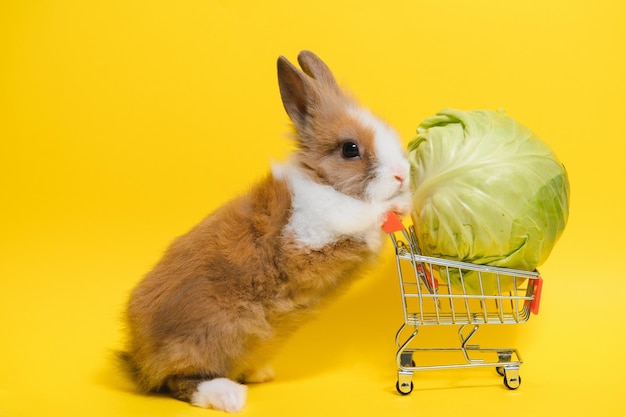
point(123, 123)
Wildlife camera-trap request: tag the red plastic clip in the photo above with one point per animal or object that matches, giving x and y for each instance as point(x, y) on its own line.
point(392, 223)
point(431, 282)
point(534, 304)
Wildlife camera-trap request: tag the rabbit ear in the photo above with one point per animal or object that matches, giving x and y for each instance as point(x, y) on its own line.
point(316, 68)
point(296, 92)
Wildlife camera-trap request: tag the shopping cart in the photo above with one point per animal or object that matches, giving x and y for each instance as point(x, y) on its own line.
point(438, 292)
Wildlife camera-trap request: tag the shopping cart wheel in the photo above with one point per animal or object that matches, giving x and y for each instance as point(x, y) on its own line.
point(512, 382)
point(500, 370)
point(404, 388)
point(404, 385)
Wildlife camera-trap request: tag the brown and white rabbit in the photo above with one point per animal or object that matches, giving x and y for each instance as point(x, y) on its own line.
point(208, 317)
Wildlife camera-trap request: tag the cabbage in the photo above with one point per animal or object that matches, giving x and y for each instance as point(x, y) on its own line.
point(486, 190)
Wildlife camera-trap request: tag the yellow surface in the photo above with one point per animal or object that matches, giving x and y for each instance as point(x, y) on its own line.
point(123, 123)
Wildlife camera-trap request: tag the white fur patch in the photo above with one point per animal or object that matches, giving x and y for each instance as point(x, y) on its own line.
point(322, 215)
point(220, 394)
point(392, 161)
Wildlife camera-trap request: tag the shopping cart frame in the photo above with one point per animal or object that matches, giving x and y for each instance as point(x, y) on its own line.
point(434, 293)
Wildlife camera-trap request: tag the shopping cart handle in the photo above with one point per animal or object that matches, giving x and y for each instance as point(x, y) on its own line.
point(392, 223)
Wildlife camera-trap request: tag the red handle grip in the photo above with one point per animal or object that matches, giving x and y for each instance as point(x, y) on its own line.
point(534, 305)
point(392, 223)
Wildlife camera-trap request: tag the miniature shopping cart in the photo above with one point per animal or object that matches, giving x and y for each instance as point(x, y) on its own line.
point(438, 292)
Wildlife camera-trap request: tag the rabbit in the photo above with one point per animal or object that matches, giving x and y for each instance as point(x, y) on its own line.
point(210, 315)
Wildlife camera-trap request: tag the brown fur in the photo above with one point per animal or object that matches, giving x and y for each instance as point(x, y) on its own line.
point(224, 293)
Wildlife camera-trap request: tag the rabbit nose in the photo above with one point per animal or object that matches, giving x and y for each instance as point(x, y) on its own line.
point(403, 181)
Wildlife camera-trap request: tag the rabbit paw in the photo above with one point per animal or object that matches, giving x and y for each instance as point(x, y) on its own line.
point(262, 374)
point(220, 394)
point(401, 205)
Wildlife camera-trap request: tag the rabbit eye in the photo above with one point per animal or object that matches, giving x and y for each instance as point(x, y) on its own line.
point(350, 150)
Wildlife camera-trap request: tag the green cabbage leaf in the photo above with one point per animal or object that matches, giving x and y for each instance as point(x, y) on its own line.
point(486, 190)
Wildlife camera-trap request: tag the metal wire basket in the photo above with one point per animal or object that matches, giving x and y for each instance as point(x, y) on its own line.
point(439, 292)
